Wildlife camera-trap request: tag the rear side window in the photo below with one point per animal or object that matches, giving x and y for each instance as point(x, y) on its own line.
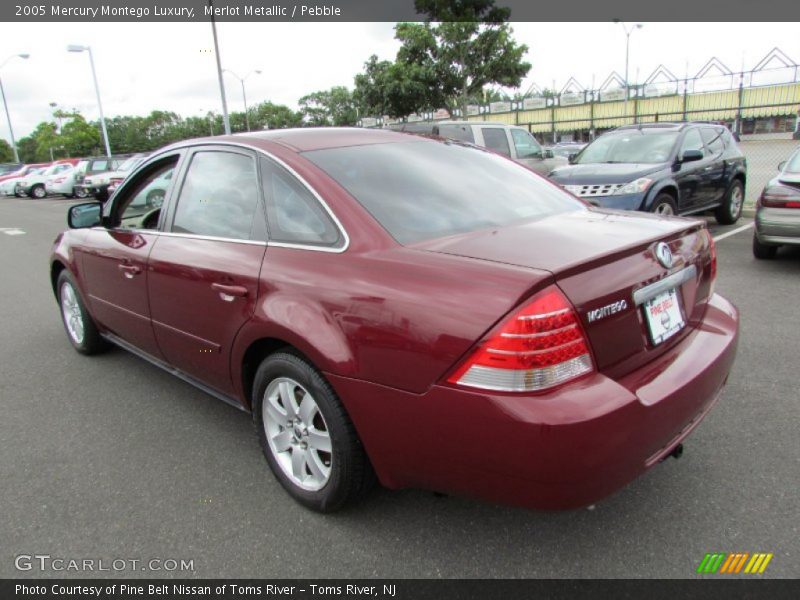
point(462, 133)
point(713, 139)
point(495, 139)
point(99, 165)
point(219, 196)
point(428, 189)
point(294, 215)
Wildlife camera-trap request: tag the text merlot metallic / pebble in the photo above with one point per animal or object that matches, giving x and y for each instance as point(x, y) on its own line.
point(139, 12)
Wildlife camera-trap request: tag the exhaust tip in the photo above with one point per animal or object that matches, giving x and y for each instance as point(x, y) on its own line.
point(677, 452)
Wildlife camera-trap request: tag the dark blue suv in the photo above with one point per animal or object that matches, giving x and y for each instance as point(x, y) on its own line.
point(667, 168)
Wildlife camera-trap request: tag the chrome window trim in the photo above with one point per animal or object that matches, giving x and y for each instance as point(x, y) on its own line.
point(296, 175)
point(675, 280)
point(292, 172)
point(191, 236)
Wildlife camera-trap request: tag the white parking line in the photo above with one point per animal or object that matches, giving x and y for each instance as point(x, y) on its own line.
point(734, 232)
point(12, 230)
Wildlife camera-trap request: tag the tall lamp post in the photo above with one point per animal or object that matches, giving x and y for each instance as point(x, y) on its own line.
point(76, 48)
point(225, 120)
point(244, 93)
point(23, 55)
point(628, 31)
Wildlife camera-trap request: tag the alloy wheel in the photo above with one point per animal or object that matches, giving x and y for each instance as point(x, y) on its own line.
point(664, 209)
point(71, 313)
point(737, 201)
point(297, 434)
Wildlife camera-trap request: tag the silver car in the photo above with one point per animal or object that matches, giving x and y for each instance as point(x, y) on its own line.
point(778, 210)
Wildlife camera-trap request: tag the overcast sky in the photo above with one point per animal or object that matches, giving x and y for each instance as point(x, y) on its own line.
point(146, 66)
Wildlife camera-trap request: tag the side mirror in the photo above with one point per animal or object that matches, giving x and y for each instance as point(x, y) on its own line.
point(781, 165)
point(692, 156)
point(548, 153)
point(571, 157)
point(85, 215)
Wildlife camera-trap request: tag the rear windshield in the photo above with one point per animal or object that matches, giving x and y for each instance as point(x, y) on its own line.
point(424, 190)
point(630, 146)
point(793, 164)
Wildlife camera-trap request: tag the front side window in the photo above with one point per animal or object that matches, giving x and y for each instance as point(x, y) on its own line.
point(526, 146)
point(428, 189)
point(294, 215)
point(692, 141)
point(713, 139)
point(141, 199)
point(219, 196)
point(793, 164)
point(495, 139)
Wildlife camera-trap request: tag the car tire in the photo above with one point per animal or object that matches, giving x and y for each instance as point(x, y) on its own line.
point(664, 204)
point(155, 198)
point(730, 210)
point(38, 192)
point(19, 193)
point(763, 251)
point(80, 193)
point(312, 448)
point(81, 329)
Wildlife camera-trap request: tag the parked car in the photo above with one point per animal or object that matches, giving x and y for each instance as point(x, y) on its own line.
point(8, 182)
point(514, 142)
point(566, 149)
point(357, 293)
point(66, 182)
point(97, 185)
point(665, 168)
point(6, 168)
point(778, 210)
point(33, 184)
point(94, 166)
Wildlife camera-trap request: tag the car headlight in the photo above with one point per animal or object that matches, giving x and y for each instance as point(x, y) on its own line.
point(636, 186)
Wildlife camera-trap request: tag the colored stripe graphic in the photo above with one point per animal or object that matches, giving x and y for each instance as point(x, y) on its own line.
point(734, 562)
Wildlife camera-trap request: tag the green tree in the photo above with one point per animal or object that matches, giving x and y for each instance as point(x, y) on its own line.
point(395, 88)
point(267, 115)
point(6, 152)
point(463, 46)
point(335, 106)
point(79, 138)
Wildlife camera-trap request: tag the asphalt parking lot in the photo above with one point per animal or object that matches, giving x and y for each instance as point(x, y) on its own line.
point(109, 457)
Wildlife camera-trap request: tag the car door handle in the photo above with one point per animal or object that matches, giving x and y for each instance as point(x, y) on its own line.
point(129, 271)
point(229, 292)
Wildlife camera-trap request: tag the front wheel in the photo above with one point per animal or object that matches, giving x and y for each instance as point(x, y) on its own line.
point(81, 329)
point(80, 192)
point(309, 442)
point(664, 204)
point(763, 251)
point(730, 210)
point(38, 192)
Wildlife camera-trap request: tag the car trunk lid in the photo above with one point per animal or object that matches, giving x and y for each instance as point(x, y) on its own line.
point(606, 263)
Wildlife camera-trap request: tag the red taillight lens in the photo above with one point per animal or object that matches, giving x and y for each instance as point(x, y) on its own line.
point(538, 347)
point(780, 196)
point(115, 181)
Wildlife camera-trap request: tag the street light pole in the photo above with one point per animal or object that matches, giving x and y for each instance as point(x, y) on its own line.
point(226, 121)
point(244, 93)
point(628, 32)
point(24, 55)
point(76, 48)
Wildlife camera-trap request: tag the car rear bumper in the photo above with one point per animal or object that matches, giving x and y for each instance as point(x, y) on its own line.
point(563, 449)
point(778, 225)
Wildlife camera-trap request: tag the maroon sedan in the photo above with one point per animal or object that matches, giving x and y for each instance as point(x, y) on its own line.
point(422, 311)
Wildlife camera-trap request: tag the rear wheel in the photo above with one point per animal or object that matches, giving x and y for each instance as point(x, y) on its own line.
point(80, 192)
point(664, 204)
point(81, 329)
point(730, 210)
point(763, 251)
point(306, 435)
point(38, 192)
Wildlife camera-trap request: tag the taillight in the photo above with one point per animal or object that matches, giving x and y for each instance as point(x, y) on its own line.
point(780, 196)
point(538, 347)
point(115, 180)
point(712, 248)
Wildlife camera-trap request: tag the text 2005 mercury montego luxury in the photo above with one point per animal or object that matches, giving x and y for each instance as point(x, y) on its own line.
point(418, 310)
